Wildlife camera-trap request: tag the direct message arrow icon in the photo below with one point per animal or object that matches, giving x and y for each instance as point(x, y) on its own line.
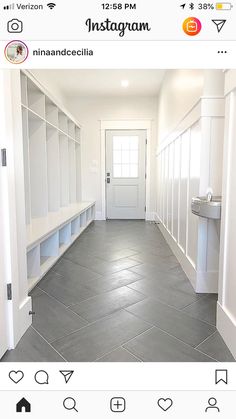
point(219, 23)
point(67, 374)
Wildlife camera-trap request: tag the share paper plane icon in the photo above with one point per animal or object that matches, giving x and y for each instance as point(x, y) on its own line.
point(67, 375)
point(219, 23)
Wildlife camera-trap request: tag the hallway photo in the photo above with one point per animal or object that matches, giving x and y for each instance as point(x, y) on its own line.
point(119, 224)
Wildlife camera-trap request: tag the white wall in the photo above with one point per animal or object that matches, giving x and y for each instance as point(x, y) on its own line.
point(226, 316)
point(180, 91)
point(90, 111)
point(46, 78)
point(189, 161)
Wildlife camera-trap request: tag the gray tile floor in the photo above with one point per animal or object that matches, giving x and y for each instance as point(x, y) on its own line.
point(119, 294)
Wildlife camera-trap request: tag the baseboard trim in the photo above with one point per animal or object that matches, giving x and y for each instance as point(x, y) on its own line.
point(99, 216)
point(182, 258)
point(207, 282)
point(202, 281)
point(150, 216)
point(227, 328)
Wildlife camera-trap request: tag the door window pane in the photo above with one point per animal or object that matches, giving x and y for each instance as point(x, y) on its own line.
point(125, 156)
point(117, 170)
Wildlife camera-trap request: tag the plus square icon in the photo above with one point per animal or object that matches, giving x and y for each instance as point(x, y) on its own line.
point(118, 404)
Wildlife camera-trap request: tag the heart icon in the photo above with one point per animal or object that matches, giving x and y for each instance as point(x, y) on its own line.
point(16, 376)
point(165, 404)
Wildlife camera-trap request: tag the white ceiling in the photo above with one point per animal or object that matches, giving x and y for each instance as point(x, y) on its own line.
point(72, 83)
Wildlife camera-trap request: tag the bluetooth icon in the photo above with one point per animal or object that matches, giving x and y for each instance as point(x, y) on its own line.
point(191, 6)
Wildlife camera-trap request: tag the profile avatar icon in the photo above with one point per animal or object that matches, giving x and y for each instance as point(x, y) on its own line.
point(212, 402)
point(16, 52)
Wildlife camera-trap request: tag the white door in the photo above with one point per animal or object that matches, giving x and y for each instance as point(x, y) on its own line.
point(125, 174)
point(14, 312)
point(3, 286)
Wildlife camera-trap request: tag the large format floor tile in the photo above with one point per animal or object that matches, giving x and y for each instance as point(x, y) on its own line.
point(204, 309)
point(112, 281)
point(52, 319)
point(157, 346)
point(175, 322)
point(32, 348)
point(73, 271)
point(68, 290)
point(119, 295)
point(100, 338)
point(215, 347)
point(119, 355)
point(164, 292)
point(107, 303)
point(160, 262)
point(104, 267)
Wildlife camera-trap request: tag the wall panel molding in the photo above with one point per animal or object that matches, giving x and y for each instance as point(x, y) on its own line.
point(188, 163)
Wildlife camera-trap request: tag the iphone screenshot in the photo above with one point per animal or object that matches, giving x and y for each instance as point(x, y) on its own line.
point(117, 209)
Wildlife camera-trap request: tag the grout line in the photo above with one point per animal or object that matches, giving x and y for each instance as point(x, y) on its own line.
point(66, 307)
point(106, 292)
point(135, 356)
point(204, 340)
point(140, 334)
point(102, 261)
point(49, 344)
point(200, 298)
point(180, 310)
point(169, 334)
point(110, 315)
point(114, 349)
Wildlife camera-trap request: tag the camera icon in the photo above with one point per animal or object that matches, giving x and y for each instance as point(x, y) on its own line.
point(15, 26)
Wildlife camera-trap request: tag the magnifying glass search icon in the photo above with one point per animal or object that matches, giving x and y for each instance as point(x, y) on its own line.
point(70, 404)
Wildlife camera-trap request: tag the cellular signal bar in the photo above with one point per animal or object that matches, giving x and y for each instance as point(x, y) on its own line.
point(9, 7)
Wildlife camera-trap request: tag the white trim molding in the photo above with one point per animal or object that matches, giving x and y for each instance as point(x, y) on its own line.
point(226, 313)
point(189, 163)
point(133, 124)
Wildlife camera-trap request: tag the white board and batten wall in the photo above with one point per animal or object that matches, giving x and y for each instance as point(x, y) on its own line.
point(189, 162)
point(226, 309)
point(49, 213)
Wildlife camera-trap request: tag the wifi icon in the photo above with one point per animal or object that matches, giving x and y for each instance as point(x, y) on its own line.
point(51, 5)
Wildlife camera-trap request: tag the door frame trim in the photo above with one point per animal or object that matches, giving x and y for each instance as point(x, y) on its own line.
point(133, 124)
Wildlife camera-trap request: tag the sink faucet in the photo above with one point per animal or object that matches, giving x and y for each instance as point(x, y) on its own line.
point(209, 196)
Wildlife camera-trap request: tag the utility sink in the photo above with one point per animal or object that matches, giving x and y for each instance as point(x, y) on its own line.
point(207, 206)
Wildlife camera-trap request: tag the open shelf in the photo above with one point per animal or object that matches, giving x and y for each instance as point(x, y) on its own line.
point(55, 215)
point(75, 227)
point(63, 122)
point(77, 134)
point(71, 129)
point(36, 99)
point(83, 219)
point(38, 168)
point(78, 172)
point(72, 172)
point(65, 235)
point(64, 170)
point(53, 168)
point(51, 113)
point(49, 239)
point(24, 95)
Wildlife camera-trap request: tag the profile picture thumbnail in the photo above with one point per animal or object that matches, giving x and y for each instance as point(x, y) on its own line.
point(16, 52)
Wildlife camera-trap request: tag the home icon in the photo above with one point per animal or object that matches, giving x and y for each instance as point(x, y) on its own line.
point(23, 406)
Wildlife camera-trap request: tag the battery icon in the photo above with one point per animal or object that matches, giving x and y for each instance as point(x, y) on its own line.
point(224, 6)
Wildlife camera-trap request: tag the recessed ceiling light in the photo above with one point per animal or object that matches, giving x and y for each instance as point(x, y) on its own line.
point(125, 83)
